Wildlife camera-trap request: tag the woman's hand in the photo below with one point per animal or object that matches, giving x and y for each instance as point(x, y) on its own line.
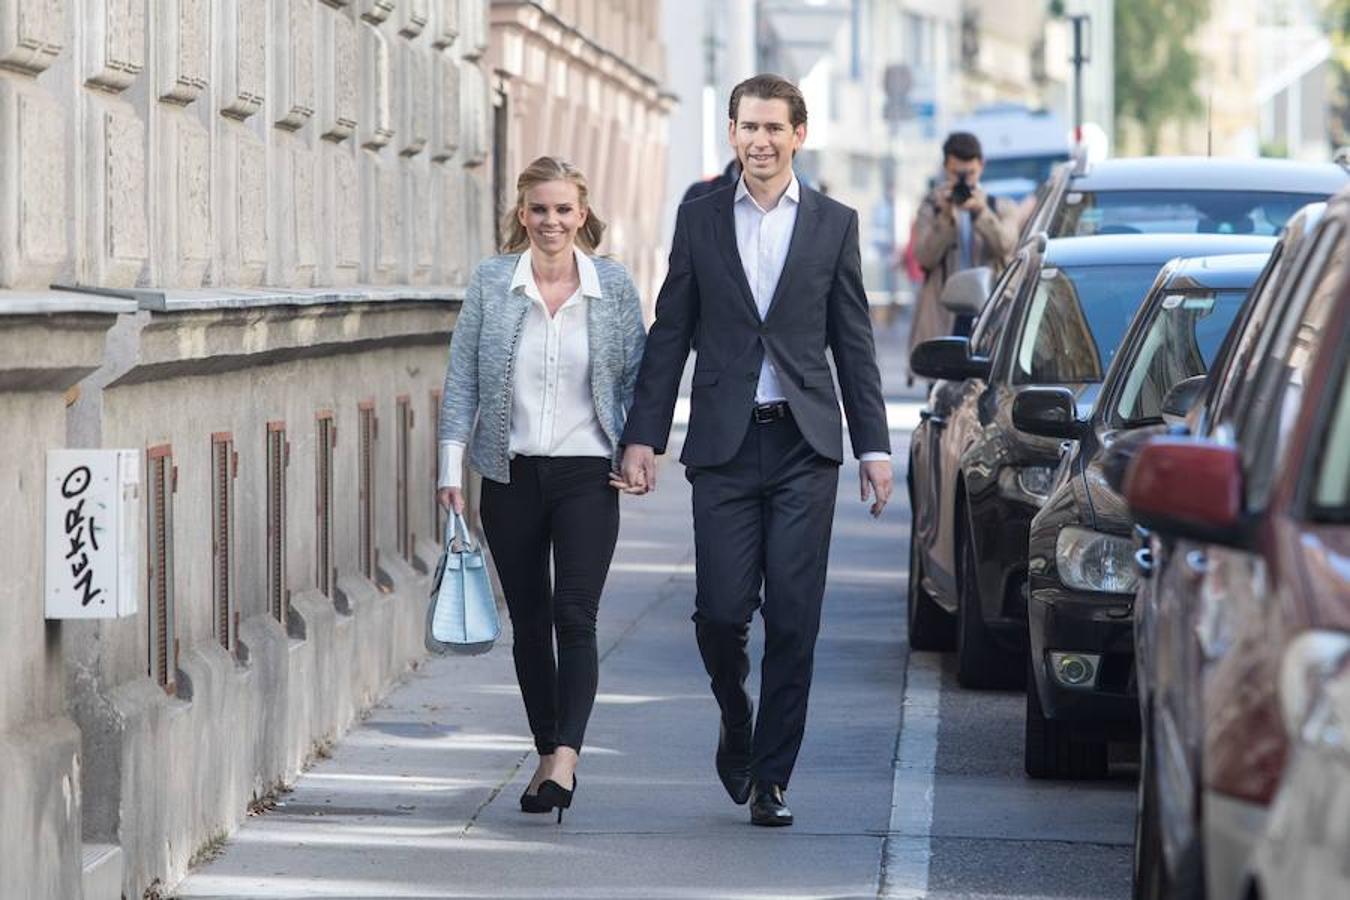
point(451, 498)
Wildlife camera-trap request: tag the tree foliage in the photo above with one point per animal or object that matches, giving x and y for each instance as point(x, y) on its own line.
point(1156, 67)
point(1337, 22)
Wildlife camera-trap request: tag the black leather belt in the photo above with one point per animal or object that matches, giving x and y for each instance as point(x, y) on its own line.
point(771, 412)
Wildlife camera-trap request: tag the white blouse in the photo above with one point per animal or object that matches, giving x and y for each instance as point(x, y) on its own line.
point(552, 412)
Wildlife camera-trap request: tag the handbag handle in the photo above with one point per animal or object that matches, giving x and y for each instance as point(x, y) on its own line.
point(459, 531)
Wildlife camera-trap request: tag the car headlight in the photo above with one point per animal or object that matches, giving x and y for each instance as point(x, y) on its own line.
point(1091, 561)
point(1030, 484)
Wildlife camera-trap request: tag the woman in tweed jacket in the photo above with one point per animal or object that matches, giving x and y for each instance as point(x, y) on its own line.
point(542, 365)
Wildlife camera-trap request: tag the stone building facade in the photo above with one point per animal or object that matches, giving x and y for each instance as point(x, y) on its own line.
point(233, 235)
point(584, 80)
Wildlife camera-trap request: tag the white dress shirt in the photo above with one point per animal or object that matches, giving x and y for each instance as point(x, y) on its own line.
point(552, 411)
point(762, 239)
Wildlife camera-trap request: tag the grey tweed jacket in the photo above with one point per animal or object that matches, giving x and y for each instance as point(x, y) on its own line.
point(476, 403)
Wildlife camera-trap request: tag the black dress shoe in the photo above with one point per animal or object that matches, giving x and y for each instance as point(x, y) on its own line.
point(733, 761)
point(530, 803)
point(767, 806)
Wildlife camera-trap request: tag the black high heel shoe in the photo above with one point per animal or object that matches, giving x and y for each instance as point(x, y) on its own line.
point(531, 803)
point(555, 795)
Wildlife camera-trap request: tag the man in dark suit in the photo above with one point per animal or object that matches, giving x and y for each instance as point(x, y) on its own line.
point(764, 276)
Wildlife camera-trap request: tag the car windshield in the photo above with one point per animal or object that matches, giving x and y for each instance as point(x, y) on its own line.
point(1076, 320)
point(1175, 212)
point(1331, 492)
point(1182, 340)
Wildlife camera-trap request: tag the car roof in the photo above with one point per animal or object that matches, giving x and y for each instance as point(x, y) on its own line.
point(1238, 270)
point(1125, 249)
point(1206, 173)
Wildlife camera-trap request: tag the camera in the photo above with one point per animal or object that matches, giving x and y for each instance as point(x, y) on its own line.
point(961, 191)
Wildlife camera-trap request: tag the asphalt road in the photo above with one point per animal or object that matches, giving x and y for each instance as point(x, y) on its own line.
point(906, 786)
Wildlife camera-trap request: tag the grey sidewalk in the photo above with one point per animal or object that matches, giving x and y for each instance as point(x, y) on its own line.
point(419, 801)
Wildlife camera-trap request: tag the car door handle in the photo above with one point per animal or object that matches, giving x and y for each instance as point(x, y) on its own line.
point(1143, 561)
point(1196, 563)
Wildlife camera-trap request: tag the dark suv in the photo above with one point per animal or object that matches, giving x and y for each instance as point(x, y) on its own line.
point(1055, 317)
point(1081, 549)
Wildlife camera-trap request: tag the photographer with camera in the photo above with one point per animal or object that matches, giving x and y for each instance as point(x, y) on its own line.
point(958, 227)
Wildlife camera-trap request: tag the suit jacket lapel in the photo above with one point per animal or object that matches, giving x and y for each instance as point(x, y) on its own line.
point(725, 222)
point(801, 229)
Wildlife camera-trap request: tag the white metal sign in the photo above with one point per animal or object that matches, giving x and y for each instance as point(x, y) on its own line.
point(92, 533)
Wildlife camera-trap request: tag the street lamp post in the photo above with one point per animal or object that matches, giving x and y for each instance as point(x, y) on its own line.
point(1081, 22)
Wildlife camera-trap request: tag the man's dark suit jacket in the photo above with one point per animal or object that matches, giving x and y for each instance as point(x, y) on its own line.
point(706, 304)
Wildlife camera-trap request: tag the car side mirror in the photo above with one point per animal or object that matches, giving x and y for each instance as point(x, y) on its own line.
point(965, 292)
point(947, 358)
point(1187, 488)
point(1181, 398)
point(1049, 412)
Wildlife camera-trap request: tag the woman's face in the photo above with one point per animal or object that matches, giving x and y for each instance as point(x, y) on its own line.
point(552, 215)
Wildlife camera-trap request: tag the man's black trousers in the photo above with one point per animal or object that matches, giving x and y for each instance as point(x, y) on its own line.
point(763, 520)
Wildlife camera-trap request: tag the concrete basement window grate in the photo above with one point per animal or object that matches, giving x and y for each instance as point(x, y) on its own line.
point(325, 440)
point(403, 490)
point(162, 482)
point(278, 461)
point(437, 514)
point(224, 470)
point(367, 435)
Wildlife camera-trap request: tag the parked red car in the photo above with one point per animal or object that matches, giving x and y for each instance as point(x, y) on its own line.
point(1251, 522)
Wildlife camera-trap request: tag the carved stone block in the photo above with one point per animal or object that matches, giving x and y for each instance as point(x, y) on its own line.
point(115, 49)
point(390, 222)
point(338, 92)
point(423, 237)
point(345, 196)
point(185, 233)
point(33, 193)
point(377, 126)
point(445, 108)
point(124, 143)
point(251, 182)
point(32, 33)
point(415, 100)
point(295, 62)
point(376, 11)
point(185, 58)
point(244, 71)
point(303, 184)
point(473, 125)
point(447, 23)
point(414, 18)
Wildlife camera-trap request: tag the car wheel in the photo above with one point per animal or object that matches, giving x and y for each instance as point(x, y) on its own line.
point(930, 626)
point(1050, 749)
point(980, 663)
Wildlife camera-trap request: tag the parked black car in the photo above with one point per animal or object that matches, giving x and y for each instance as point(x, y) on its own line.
point(1055, 317)
point(1178, 195)
point(1080, 555)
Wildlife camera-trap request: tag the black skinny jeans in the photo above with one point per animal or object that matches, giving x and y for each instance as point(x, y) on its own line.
point(564, 505)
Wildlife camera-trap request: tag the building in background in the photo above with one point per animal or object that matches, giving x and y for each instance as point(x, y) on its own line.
point(585, 80)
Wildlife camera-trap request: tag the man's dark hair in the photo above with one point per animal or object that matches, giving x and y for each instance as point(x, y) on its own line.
point(963, 145)
point(770, 87)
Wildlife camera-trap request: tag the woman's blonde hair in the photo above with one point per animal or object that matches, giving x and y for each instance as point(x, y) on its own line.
point(545, 169)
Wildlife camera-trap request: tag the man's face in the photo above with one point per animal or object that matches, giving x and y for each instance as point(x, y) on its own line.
point(763, 137)
point(970, 168)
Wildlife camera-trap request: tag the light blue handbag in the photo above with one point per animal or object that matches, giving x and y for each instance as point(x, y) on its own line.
point(462, 615)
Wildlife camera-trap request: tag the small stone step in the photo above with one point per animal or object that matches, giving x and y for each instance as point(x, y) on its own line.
point(102, 872)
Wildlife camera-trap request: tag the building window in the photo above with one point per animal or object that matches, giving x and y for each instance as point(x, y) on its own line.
point(403, 491)
point(366, 486)
point(161, 482)
point(325, 441)
point(437, 514)
point(278, 459)
point(224, 469)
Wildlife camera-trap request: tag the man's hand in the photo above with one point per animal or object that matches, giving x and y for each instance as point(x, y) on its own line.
point(637, 473)
point(978, 202)
point(875, 478)
point(451, 498)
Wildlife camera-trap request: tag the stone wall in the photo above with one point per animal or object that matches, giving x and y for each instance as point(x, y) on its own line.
point(190, 143)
